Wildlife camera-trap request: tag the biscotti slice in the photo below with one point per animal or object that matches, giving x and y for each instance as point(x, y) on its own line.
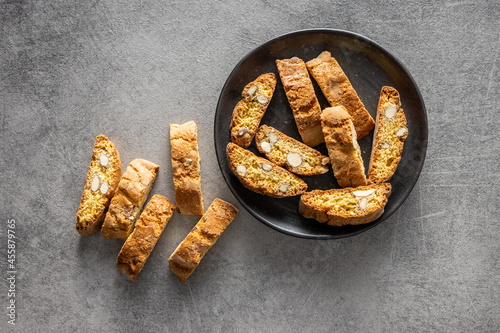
point(148, 228)
point(133, 190)
point(389, 137)
point(249, 111)
point(286, 151)
point(343, 148)
point(202, 237)
point(186, 168)
point(344, 206)
point(261, 175)
point(302, 99)
point(338, 91)
point(102, 178)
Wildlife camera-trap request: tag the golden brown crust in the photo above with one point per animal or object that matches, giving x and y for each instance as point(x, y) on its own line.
point(133, 190)
point(275, 182)
point(249, 111)
point(202, 237)
point(302, 99)
point(343, 148)
point(312, 162)
point(387, 147)
point(339, 207)
point(93, 204)
point(148, 228)
point(186, 168)
point(338, 91)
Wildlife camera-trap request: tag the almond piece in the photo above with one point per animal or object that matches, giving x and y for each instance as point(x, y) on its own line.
point(401, 132)
point(266, 147)
point(366, 193)
point(385, 145)
point(266, 166)
point(325, 161)
point(104, 187)
point(273, 138)
point(252, 90)
point(363, 203)
point(390, 111)
point(95, 183)
point(294, 159)
point(262, 99)
point(241, 132)
point(241, 170)
point(283, 187)
point(103, 159)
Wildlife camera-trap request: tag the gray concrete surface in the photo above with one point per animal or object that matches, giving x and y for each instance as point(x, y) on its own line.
point(72, 70)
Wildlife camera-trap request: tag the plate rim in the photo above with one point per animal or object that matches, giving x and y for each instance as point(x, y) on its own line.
point(333, 32)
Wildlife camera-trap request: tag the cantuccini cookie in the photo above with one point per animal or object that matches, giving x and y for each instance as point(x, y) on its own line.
point(345, 206)
point(261, 175)
point(302, 99)
point(389, 137)
point(148, 228)
point(102, 178)
point(343, 148)
point(133, 190)
point(186, 168)
point(249, 111)
point(338, 91)
point(286, 151)
point(202, 237)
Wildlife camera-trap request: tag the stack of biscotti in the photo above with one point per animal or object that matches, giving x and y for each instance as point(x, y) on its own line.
point(357, 203)
point(110, 201)
point(113, 203)
point(340, 126)
point(126, 196)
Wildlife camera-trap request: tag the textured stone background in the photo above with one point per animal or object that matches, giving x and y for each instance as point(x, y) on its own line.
point(73, 69)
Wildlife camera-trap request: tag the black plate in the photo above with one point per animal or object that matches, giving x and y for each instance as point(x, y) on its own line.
point(369, 67)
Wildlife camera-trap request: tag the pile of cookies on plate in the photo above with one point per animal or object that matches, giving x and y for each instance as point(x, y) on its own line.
point(112, 203)
point(362, 196)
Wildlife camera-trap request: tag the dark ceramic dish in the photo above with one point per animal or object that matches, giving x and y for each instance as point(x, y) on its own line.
point(369, 67)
